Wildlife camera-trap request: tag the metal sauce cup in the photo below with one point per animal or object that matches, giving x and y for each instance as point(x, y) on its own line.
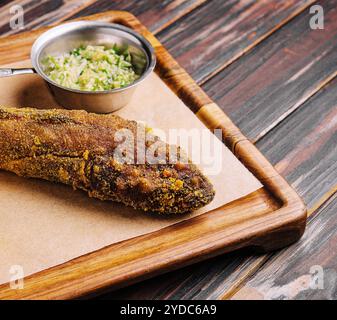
point(68, 36)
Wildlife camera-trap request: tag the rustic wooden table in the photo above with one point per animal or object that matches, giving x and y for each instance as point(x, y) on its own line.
point(275, 77)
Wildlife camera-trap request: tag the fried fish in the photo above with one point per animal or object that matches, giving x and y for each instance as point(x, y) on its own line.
point(88, 151)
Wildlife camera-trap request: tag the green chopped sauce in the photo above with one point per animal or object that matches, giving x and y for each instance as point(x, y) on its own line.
point(91, 68)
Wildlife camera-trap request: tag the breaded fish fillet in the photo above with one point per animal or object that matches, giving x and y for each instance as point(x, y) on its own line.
point(91, 152)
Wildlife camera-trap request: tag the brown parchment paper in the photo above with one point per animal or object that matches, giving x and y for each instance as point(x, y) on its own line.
point(43, 224)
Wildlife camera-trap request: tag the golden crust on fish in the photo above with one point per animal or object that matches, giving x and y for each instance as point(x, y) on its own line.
point(79, 149)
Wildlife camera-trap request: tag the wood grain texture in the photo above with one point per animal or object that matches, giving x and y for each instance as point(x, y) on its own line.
point(292, 274)
point(218, 32)
point(4, 2)
point(39, 13)
point(303, 149)
point(202, 284)
point(275, 78)
point(123, 263)
point(309, 161)
point(154, 14)
point(206, 280)
point(225, 273)
point(212, 281)
point(272, 217)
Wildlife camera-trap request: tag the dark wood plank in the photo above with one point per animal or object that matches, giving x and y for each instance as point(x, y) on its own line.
point(39, 13)
point(218, 32)
point(303, 149)
point(137, 259)
point(205, 288)
point(222, 275)
point(292, 274)
point(265, 86)
point(156, 15)
point(4, 2)
point(207, 280)
point(234, 26)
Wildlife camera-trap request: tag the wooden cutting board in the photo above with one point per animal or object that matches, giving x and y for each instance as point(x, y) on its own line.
point(271, 217)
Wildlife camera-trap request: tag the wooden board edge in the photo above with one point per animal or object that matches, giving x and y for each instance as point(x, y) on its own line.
point(140, 258)
point(287, 223)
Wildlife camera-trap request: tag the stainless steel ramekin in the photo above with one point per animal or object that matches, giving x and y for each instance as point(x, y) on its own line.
point(64, 38)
